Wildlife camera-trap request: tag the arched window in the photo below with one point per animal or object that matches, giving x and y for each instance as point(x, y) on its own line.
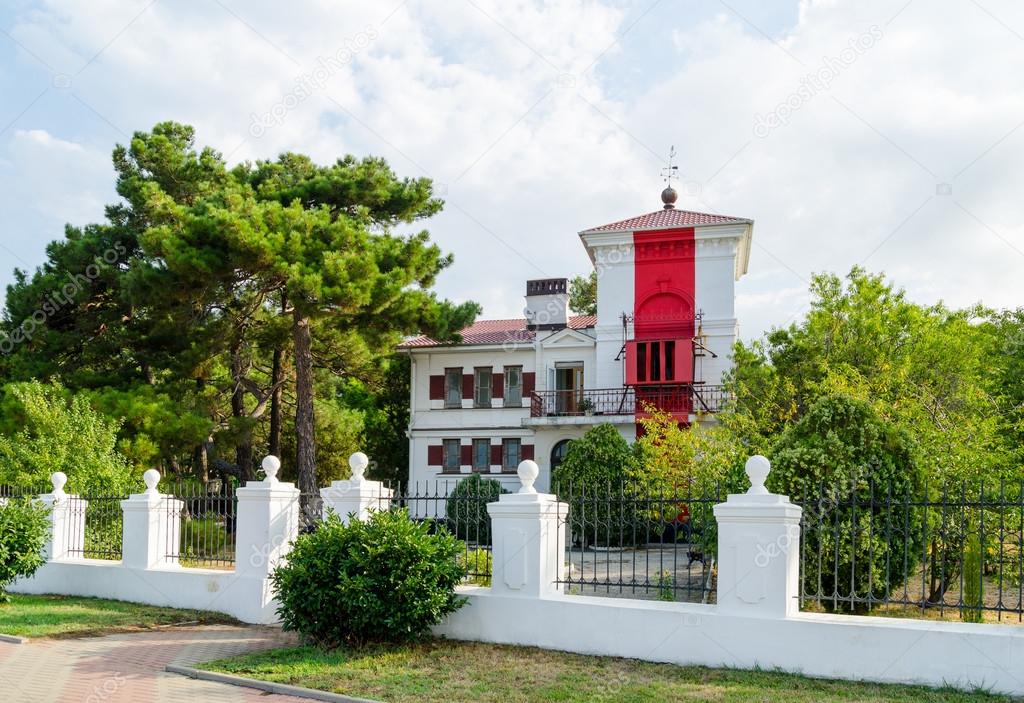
point(558, 453)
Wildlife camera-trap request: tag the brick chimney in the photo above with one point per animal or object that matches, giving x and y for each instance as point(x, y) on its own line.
point(547, 303)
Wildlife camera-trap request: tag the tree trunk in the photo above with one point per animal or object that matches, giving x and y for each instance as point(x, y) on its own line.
point(201, 462)
point(276, 403)
point(243, 448)
point(305, 444)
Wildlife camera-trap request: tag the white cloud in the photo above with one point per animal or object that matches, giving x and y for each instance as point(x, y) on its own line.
point(490, 99)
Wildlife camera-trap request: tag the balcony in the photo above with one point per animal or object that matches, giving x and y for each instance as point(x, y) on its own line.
point(676, 399)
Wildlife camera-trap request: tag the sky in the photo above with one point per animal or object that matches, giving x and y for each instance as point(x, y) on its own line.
point(886, 134)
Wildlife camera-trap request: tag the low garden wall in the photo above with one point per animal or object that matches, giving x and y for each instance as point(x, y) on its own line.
point(755, 621)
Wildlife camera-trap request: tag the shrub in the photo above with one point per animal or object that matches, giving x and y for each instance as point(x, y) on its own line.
point(467, 508)
point(974, 597)
point(600, 457)
point(844, 446)
point(596, 479)
point(385, 579)
point(24, 527)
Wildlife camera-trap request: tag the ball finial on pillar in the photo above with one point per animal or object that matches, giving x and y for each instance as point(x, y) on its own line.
point(151, 478)
point(59, 480)
point(271, 465)
point(528, 472)
point(358, 463)
point(758, 468)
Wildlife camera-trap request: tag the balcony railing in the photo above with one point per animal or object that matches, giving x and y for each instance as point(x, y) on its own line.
point(628, 400)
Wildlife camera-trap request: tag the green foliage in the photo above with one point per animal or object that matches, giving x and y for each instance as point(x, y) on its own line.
point(601, 457)
point(385, 579)
point(596, 479)
point(24, 528)
point(927, 370)
point(666, 585)
point(843, 446)
point(58, 433)
point(479, 564)
point(212, 299)
point(467, 508)
point(972, 579)
point(583, 294)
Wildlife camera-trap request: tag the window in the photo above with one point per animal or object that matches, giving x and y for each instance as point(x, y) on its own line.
point(453, 388)
point(513, 386)
point(451, 460)
point(482, 387)
point(482, 455)
point(511, 453)
point(558, 453)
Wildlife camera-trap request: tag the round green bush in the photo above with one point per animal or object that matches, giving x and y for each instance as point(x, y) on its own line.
point(383, 579)
point(467, 508)
point(24, 527)
point(606, 508)
point(839, 453)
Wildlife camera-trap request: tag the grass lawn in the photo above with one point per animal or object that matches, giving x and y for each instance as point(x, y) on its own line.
point(66, 616)
point(448, 672)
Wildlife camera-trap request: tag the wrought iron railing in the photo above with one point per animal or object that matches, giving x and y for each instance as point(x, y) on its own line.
point(944, 551)
point(637, 542)
point(629, 400)
point(206, 516)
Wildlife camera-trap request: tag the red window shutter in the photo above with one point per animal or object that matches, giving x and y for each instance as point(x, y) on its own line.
point(631, 363)
point(467, 386)
point(527, 451)
point(497, 385)
point(495, 454)
point(684, 361)
point(529, 383)
point(435, 455)
point(467, 455)
point(437, 387)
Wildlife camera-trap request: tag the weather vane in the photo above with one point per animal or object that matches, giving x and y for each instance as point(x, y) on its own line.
point(671, 171)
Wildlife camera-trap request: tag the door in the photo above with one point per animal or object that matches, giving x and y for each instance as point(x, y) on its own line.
point(568, 388)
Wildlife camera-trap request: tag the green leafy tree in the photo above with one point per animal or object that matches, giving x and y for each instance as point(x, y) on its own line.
point(600, 458)
point(583, 294)
point(60, 433)
point(319, 238)
point(840, 452)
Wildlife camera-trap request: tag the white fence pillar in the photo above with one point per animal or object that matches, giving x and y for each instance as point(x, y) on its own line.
point(528, 555)
point(358, 496)
point(268, 522)
point(758, 549)
point(151, 528)
point(67, 521)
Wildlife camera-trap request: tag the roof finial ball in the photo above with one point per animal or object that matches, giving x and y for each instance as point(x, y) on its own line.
point(669, 197)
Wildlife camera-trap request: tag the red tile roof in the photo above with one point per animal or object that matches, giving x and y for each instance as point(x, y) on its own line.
point(667, 218)
point(496, 332)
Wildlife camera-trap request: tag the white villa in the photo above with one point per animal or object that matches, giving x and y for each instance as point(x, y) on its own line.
point(522, 388)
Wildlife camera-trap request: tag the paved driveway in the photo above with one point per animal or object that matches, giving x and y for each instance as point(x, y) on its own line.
point(130, 667)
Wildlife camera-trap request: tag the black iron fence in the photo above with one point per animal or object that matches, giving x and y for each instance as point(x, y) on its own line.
point(205, 516)
point(639, 542)
point(941, 551)
point(94, 526)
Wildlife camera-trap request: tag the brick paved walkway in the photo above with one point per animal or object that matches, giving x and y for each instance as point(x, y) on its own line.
point(130, 667)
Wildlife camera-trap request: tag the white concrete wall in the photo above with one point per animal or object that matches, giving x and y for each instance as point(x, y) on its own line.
point(204, 589)
point(833, 646)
